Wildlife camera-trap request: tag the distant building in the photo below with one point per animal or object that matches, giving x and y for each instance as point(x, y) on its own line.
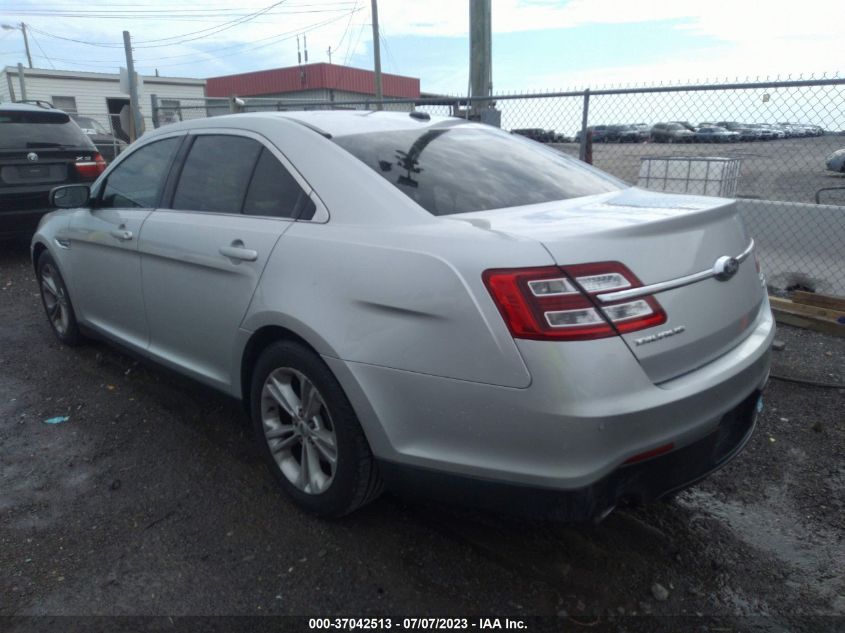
point(98, 95)
point(314, 82)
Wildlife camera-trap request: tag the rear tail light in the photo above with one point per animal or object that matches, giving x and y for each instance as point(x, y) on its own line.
point(90, 167)
point(554, 303)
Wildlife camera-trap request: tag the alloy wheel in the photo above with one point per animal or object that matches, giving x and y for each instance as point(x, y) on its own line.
point(299, 430)
point(55, 300)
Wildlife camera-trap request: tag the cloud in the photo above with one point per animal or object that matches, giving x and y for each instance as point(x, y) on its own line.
point(742, 37)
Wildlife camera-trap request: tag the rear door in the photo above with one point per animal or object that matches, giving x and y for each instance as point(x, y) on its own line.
point(202, 256)
point(103, 243)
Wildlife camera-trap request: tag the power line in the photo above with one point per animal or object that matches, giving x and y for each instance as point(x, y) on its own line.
point(288, 35)
point(202, 55)
point(383, 38)
point(198, 18)
point(346, 30)
point(42, 50)
point(214, 31)
point(184, 9)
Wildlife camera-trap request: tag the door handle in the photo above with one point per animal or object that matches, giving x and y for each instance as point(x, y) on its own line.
point(239, 252)
point(122, 234)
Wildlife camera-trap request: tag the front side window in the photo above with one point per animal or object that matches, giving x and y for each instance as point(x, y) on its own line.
point(138, 180)
point(460, 168)
point(216, 174)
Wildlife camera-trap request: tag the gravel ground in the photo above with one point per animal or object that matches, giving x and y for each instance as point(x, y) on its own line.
point(152, 500)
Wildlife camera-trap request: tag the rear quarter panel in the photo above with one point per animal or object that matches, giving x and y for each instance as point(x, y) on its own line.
point(408, 298)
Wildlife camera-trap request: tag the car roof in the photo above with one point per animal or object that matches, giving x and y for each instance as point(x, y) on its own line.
point(331, 122)
point(26, 107)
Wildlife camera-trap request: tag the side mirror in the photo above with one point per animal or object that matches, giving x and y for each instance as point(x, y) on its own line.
point(70, 196)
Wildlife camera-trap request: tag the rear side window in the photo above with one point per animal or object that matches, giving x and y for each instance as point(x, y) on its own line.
point(30, 129)
point(272, 191)
point(138, 180)
point(459, 168)
point(216, 174)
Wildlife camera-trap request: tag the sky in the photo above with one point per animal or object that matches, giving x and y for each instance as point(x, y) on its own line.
point(537, 44)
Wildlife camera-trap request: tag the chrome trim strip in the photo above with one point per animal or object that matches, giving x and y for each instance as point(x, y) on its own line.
point(672, 283)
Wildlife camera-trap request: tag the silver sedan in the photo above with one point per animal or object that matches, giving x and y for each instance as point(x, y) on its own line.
point(424, 303)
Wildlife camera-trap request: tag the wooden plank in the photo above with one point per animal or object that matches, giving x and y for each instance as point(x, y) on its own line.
point(820, 300)
point(809, 322)
point(808, 310)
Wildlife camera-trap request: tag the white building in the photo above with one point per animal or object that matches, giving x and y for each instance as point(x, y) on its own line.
point(97, 95)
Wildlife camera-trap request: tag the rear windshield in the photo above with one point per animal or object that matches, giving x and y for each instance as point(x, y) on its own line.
point(458, 168)
point(32, 129)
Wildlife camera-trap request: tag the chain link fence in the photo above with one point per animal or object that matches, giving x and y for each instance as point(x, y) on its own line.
point(776, 135)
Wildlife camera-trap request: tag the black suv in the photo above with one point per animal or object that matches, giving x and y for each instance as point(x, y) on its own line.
point(40, 148)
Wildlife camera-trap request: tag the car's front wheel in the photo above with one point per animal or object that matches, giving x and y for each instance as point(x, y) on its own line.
point(56, 301)
point(309, 433)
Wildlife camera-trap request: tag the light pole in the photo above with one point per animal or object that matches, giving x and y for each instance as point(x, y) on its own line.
point(22, 28)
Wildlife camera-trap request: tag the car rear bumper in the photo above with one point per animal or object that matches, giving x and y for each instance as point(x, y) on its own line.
point(589, 408)
point(629, 484)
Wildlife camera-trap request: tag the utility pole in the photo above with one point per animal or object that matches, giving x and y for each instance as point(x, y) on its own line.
point(22, 28)
point(377, 56)
point(481, 107)
point(330, 54)
point(134, 110)
point(480, 51)
point(26, 44)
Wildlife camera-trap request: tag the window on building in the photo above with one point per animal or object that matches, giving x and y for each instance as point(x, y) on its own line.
point(68, 104)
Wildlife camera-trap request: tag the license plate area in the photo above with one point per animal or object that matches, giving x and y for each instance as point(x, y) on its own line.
point(33, 174)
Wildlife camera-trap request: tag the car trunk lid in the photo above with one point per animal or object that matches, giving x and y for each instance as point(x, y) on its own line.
point(660, 238)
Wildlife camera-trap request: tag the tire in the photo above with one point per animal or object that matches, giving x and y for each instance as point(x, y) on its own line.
point(56, 301)
point(299, 447)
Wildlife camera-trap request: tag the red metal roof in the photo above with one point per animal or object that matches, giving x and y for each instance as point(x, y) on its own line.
point(311, 77)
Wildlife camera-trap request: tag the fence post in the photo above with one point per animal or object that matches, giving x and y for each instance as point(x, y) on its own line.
point(585, 117)
point(154, 109)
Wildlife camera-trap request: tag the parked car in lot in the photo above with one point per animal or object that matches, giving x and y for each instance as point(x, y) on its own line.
point(542, 136)
point(423, 302)
point(836, 161)
point(670, 133)
point(600, 133)
point(776, 131)
point(39, 148)
point(715, 134)
point(632, 134)
point(746, 133)
point(763, 133)
point(107, 144)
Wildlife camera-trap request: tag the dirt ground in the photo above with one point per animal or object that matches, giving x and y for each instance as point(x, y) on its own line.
point(152, 500)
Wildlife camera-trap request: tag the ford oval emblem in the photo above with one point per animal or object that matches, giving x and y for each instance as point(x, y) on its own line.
point(32, 156)
point(725, 267)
